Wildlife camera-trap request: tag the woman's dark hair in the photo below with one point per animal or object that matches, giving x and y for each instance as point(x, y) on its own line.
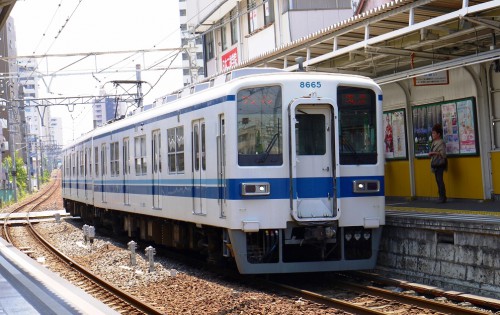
point(438, 129)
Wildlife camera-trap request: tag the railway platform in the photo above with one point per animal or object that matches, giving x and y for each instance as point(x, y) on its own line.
point(26, 287)
point(452, 245)
point(455, 206)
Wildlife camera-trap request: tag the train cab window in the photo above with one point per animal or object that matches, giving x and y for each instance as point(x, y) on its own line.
point(259, 123)
point(310, 134)
point(141, 164)
point(175, 150)
point(357, 125)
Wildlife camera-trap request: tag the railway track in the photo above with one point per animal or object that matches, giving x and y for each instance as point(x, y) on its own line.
point(69, 268)
point(358, 298)
point(31, 204)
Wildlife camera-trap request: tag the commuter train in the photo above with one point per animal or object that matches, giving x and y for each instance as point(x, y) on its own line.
point(278, 172)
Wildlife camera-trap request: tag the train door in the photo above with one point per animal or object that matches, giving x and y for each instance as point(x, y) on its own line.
point(314, 178)
point(156, 156)
point(221, 164)
point(104, 161)
point(126, 171)
point(199, 167)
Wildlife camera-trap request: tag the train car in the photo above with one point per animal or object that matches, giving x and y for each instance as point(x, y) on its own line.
point(279, 172)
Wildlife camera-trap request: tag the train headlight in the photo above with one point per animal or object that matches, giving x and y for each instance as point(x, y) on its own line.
point(366, 186)
point(255, 189)
point(348, 237)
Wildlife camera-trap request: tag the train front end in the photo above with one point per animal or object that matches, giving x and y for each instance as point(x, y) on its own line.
point(307, 184)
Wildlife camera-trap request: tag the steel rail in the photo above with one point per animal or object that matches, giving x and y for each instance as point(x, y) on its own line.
point(147, 309)
point(410, 299)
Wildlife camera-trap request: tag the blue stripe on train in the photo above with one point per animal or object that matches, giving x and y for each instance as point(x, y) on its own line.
point(280, 187)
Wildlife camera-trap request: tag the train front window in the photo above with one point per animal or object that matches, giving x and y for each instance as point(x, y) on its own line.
point(260, 126)
point(357, 125)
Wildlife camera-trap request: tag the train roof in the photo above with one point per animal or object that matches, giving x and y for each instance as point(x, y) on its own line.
point(174, 101)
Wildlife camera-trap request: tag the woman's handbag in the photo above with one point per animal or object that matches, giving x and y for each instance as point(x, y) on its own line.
point(438, 161)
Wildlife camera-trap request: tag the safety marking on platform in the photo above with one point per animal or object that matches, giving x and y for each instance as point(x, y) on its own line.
point(437, 210)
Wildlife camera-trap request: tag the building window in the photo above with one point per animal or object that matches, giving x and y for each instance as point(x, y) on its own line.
point(141, 166)
point(223, 37)
point(252, 16)
point(209, 45)
point(268, 12)
point(234, 27)
point(182, 12)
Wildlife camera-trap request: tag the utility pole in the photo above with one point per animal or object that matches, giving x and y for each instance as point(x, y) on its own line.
point(12, 147)
point(37, 166)
point(28, 154)
point(139, 85)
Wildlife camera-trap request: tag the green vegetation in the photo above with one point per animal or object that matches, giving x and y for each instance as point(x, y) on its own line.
point(21, 175)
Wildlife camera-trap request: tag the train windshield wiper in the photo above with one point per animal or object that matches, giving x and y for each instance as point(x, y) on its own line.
point(264, 156)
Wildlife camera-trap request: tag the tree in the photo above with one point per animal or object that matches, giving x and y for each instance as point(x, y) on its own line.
point(21, 174)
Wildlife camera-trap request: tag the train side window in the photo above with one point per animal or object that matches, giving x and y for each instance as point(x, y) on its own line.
point(114, 160)
point(203, 151)
point(175, 150)
point(196, 148)
point(96, 161)
point(89, 161)
point(82, 163)
point(126, 157)
point(73, 164)
point(103, 159)
point(156, 151)
point(140, 155)
point(260, 124)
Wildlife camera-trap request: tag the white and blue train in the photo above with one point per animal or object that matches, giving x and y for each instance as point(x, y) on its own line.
point(279, 172)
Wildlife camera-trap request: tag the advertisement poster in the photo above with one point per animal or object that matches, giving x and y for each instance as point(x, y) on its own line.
point(421, 130)
point(457, 118)
point(399, 131)
point(388, 136)
point(230, 59)
point(450, 128)
point(466, 129)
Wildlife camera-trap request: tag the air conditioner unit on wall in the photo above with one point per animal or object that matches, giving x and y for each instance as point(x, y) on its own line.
point(4, 146)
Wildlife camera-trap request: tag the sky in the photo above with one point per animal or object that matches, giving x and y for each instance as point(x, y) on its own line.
point(76, 27)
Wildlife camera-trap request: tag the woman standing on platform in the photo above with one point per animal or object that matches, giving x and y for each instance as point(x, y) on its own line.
point(439, 161)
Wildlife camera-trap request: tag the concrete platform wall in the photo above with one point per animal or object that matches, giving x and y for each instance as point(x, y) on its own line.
point(457, 255)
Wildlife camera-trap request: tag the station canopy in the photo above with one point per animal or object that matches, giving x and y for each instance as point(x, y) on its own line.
point(399, 40)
